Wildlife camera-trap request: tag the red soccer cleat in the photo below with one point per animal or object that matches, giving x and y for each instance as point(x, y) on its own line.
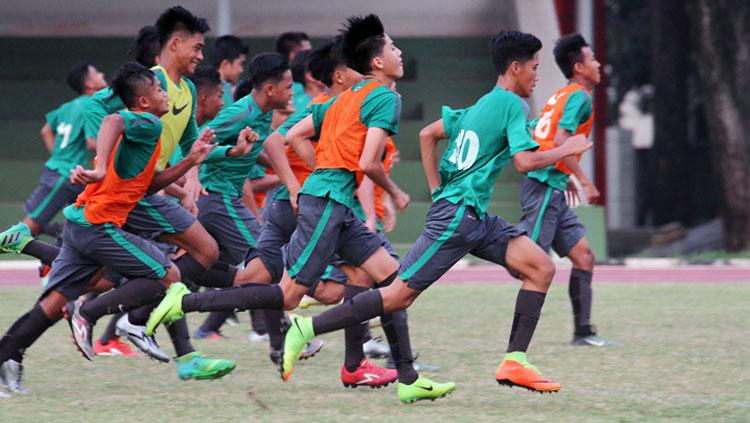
point(113, 347)
point(369, 375)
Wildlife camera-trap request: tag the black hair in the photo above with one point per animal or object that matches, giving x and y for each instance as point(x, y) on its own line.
point(77, 75)
point(299, 66)
point(205, 77)
point(145, 46)
point(244, 88)
point(288, 41)
point(227, 47)
point(267, 66)
point(178, 18)
point(363, 39)
point(324, 59)
point(568, 52)
point(513, 46)
point(130, 82)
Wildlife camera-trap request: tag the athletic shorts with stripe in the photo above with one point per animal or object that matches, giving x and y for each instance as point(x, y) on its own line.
point(326, 228)
point(548, 219)
point(53, 193)
point(279, 226)
point(86, 249)
point(451, 232)
point(231, 224)
point(156, 214)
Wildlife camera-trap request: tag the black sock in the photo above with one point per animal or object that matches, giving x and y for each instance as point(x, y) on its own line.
point(41, 250)
point(579, 290)
point(220, 275)
point(52, 229)
point(190, 268)
point(140, 315)
point(244, 297)
point(362, 307)
point(110, 332)
point(215, 320)
point(129, 296)
point(178, 332)
point(354, 335)
point(396, 329)
point(528, 309)
point(274, 326)
point(258, 322)
point(24, 332)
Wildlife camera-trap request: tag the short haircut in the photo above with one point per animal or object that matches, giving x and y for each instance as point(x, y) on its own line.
point(131, 82)
point(324, 59)
point(267, 66)
point(568, 52)
point(205, 77)
point(227, 47)
point(178, 18)
point(244, 88)
point(145, 46)
point(77, 76)
point(363, 39)
point(513, 46)
point(299, 66)
point(288, 41)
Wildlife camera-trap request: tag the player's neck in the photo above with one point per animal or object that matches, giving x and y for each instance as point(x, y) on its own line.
point(313, 90)
point(263, 102)
point(578, 79)
point(170, 66)
point(200, 118)
point(508, 84)
point(380, 77)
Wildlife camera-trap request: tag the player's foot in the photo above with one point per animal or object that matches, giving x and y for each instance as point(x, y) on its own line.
point(169, 309)
point(196, 366)
point(256, 337)
point(514, 370)
point(308, 301)
point(80, 329)
point(15, 238)
point(424, 389)
point(376, 348)
point(312, 348)
point(10, 375)
point(299, 333)
point(368, 375)
point(113, 347)
point(136, 335)
point(210, 335)
point(592, 341)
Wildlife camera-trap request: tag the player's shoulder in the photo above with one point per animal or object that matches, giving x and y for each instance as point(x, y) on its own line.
point(141, 124)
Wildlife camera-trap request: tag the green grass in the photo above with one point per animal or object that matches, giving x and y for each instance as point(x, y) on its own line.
point(684, 357)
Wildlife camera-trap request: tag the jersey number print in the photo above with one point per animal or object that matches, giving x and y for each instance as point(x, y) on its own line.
point(467, 148)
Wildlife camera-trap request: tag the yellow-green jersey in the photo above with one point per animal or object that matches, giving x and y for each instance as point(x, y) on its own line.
point(179, 125)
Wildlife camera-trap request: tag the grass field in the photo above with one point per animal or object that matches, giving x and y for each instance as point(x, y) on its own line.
point(684, 356)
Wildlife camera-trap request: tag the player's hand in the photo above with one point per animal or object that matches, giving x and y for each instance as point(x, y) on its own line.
point(592, 194)
point(401, 201)
point(245, 142)
point(202, 146)
point(81, 176)
point(293, 195)
point(189, 204)
point(578, 144)
point(572, 196)
point(389, 218)
point(194, 188)
point(372, 224)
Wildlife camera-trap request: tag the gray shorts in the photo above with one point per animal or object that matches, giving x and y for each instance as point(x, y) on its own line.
point(53, 193)
point(86, 249)
point(278, 229)
point(326, 228)
point(451, 232)
point(156, 214)
point(547, 218)
point(234, 228)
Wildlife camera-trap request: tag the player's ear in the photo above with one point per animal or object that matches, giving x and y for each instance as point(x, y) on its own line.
point(377, 63)
point(142, 102)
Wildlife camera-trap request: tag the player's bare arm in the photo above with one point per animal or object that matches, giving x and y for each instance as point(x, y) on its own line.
point(429, 137)
point(371, 165)
point(526, 161)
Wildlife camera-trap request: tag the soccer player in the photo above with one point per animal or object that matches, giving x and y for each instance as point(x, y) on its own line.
point(290, 43)
point(229, 57)
point(210, 100)
point(64, 138)
point(546, 216)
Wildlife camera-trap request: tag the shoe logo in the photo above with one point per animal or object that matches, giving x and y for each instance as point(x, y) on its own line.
point(368, 377)
point(176, 111)
point(426, 388)
point(298, 328)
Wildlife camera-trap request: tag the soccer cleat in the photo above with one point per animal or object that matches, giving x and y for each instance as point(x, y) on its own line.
point(10, 375)
point(312, 348)
point(368, 375)
point(195, 366)
point(15, 238)
point(299, 333)
point(592, 341)
point(514, 370)
point(80, 329)
point(308, 301)
point(232, 320)
point(44, 270)
point(169, 309)
point(424, 389)
point(210, 335)
point(136, 335)
point(376, 348)
point(113, 347)
point(256, 337)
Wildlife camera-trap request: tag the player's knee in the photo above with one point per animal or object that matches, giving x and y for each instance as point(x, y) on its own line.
point(210, 253)
point(291, 301)
point(544, 271)
point(173, 275)
point(329, 292)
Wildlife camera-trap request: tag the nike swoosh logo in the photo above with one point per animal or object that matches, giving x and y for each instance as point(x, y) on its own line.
point(426, 388)
point(176, 111)
point(298, 328)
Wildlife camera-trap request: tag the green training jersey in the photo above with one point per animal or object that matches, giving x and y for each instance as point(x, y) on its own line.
point(103, 102)
point(299, 97)
point(226, 94)
point(225, 174)
point(482, 139)
point(67, 122)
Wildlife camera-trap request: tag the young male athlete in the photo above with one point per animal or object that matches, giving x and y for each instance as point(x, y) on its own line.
point(229, 57)
point(290, 43)
point(546, 217)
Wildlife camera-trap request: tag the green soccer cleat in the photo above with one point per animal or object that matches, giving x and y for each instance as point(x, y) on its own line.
point(15, 238)
point(169, 309)
point(300, 331)
point(424, 389)
point(195, 366)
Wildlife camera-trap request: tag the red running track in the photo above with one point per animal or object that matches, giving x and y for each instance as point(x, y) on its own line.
point(486, 274)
